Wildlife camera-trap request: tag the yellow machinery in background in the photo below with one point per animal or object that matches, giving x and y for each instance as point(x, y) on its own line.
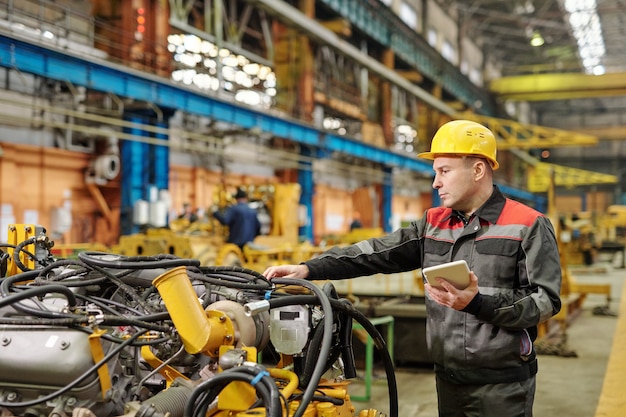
point(205, 239)
point(593, 237)
point(573, 293)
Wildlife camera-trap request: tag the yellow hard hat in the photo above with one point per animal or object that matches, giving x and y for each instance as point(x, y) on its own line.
point(463, 137)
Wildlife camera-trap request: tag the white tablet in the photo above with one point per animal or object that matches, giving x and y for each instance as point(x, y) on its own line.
point(457, 273)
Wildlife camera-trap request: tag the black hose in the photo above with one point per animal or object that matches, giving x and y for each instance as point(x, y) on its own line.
point(345, 342)
point(208, 390)
point(9, 245)
point(127, 289)
point(37, 291)
point(379, 341)
point(309, 362)
point(63, 262)
point(225, 281)
point(14, 321)
point(5, 291)
point(108, 337)
point(313, 356)
point(78, 320)
point(235, 270)
point(6, 283)
point(19, 248)
point(107, 305)
point(326, 340)
point(145, 262)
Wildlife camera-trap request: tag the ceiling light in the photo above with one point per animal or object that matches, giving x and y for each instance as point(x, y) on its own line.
point(587, 30)
point(536, 39)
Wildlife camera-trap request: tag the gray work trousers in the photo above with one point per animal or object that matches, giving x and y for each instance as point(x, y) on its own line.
point(514, 399)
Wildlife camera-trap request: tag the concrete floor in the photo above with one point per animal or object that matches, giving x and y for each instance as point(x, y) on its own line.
point(566, 386)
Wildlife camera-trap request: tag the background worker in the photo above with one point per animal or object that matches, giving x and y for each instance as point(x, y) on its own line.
point(242, 221)
point(480, 338)
point(188, 213)
point(356, 221)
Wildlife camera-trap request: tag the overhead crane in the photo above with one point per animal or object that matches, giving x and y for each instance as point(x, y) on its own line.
point(567, 86)
point(515, 135)
point(540, 87)
point(512, 136)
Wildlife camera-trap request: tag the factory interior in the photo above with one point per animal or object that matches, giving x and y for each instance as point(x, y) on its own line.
point(126, 125)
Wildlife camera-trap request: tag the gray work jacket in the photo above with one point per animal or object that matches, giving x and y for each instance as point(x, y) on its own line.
point(510, 247)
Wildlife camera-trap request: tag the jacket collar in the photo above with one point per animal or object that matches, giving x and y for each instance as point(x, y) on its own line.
point(489, 211)
point(492, 208)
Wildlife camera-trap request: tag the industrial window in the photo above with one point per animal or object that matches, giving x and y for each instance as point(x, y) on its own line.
point(448, 52)
point(408, 14)
point(476, 77)
point(432, 37)
point(464, 67)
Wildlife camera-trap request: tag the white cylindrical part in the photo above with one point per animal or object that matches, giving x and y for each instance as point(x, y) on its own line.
point(141, 212)
point(153, 193)
point(164, 196)
point(158, 214)
point(107, 166)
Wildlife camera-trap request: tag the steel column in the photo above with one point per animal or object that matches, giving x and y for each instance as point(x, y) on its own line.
point(387, 202)
point(134, 176)
point(305, 179)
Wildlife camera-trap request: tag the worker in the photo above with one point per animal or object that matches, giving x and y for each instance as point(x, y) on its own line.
point(356, 221)
point(188, 213)
point(242, 221)
point(480, 338)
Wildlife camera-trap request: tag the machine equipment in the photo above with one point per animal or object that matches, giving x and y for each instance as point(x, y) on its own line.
point(155, 336)
point(278, 208)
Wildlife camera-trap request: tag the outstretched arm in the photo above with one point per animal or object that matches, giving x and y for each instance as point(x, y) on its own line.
point(287, 271)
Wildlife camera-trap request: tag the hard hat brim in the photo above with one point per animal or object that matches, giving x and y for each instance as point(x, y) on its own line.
point(432, 155)
point(426, 155)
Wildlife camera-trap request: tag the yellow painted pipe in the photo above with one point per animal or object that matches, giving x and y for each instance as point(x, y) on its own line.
point(291, 386)
point(185, 309)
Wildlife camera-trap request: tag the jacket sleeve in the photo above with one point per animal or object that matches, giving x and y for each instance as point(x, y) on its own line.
point(398, 251)
point(538, 297)
point(224, 216)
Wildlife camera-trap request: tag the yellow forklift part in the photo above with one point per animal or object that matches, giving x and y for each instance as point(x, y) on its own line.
point(201, 331)
point(98, 354)
point(169, 373)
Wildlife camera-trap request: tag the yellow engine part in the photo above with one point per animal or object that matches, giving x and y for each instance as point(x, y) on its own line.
point(238, 395)
point(18, 233)
point(168, 372)
point(200, 330)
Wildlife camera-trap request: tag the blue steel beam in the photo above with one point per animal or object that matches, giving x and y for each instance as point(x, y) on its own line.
point(26, 56)
point(126, 82)
point(375, 154)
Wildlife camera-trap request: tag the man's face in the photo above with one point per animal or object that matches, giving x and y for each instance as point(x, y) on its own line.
point(454, 181)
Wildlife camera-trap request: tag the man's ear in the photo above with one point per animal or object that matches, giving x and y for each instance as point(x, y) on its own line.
point(479, 169)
